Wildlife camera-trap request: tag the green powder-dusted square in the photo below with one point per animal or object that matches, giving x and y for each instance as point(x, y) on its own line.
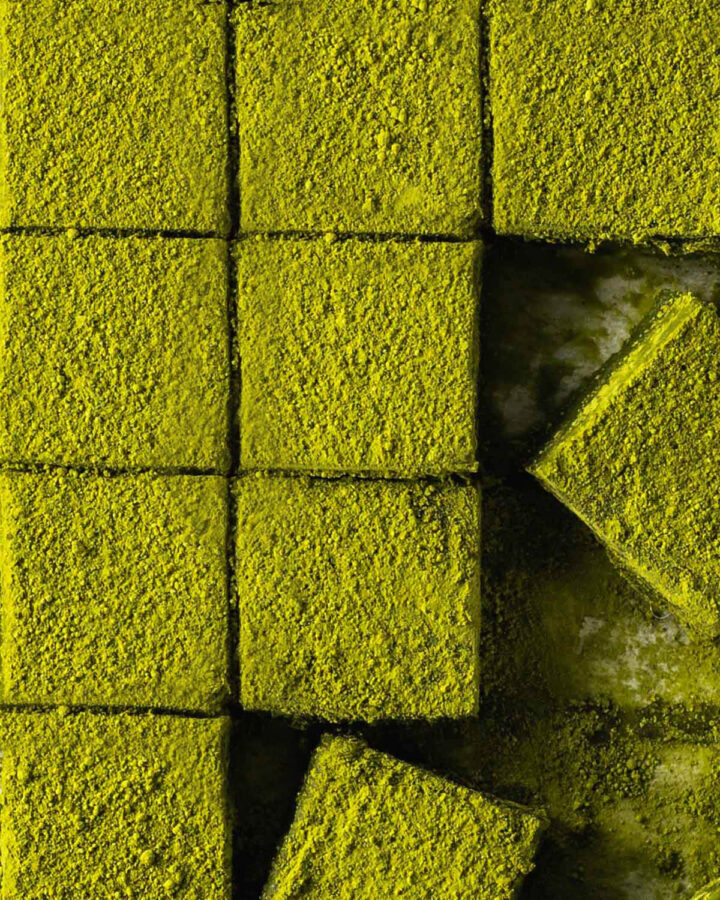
point(113, 114)
point(605, 118)
point(358, 356)
point(115, 352)
point(98, 805)
point(113, 590)
point(358, 599)
point(360, 116)
point(368, 826)
point(639, 459)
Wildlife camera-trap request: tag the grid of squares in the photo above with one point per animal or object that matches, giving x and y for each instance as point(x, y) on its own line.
point(158, 347)
point(148, 470)
point(216, 242)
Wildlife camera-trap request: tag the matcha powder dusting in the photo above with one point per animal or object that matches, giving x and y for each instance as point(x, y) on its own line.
point(292, 294)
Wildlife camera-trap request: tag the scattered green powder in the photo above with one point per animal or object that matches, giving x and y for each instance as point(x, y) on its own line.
point(638, 460)
point(368, 825)
point(358, 356)
point(633, 799)
point(605, 118)
point(97, 805)
point(561, 624)
point(358, 599)
point(114, 352)
point(113, 114)
point(361, 116)
point(113, 589)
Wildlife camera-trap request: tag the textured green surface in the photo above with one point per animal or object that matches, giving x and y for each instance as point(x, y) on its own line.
point(358, 356)
point(633, 800)
point(358, 599)
point(114, 352)
point(114, 806)
point(638, 461)
point(595, 709)
point(370, 826)
point(113, 589)
point(711, 892)
point(360, 116)
point(594, 703)
point(605, 118)
point(114, 114)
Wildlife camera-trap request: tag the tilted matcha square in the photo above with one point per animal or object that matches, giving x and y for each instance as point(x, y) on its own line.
point(605, 118)
point(369, 826)
point(114, 352)
point(358, 356)
point(360, 116)
point(639, 459)
point(113, 114)
point(98, 805)
point(113, 590)
point(358, 599)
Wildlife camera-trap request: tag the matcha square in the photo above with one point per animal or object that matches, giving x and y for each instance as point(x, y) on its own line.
point(605, 118)
point(99, 805)
point(360, 116)
point(358, 599)
point(639, 459)
point(113, 114)
point(114, 352)
point(113, 590)
point(380, 827)
point(358, 356)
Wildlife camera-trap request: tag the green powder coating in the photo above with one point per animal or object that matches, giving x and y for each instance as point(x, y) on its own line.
point(358, 356)
point(358, 600)
point(113, 589)
point(638, 460)
point(362, 116)
point(635, 806)
point(368, 825)
point(711, 892)
point(605, 118)
point(633, 800)
point(114, 806)
point(114, 114)
point(114, 352)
